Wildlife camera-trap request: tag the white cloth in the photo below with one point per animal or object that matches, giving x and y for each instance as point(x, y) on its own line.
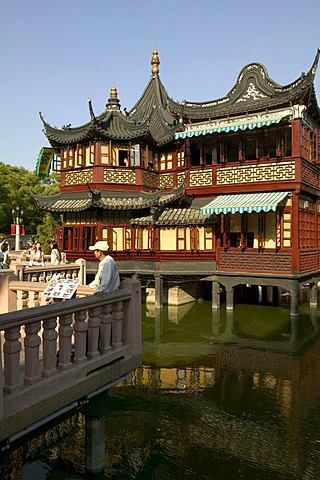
point(37, 257)
point(107, 278)
point(6, 259)
point(55, 257)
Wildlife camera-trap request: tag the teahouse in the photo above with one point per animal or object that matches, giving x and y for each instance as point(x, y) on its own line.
point(225, 190)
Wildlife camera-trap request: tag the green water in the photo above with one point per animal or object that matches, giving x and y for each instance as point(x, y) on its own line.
point(220, 396)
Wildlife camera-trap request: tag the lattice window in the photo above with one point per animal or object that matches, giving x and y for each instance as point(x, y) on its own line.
point(307, 229)
point(126, 238)
point(104, 153)
point(181, 238)
point(180, 158)
point(90, 154)
point(209, 238)
point(79, 155)
point(166, 161)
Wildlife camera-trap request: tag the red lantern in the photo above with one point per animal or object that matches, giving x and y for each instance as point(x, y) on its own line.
point(13, 229)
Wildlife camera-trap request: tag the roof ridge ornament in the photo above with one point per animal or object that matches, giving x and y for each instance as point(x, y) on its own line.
point(92, 115)
point(113, 102)
point(155, 62)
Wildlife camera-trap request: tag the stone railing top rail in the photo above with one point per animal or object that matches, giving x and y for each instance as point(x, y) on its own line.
point(22, 317)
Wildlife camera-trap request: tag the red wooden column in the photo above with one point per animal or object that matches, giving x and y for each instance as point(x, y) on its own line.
point(295, 233)
point(296, 132)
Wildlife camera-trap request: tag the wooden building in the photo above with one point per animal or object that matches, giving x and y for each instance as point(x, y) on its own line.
point(226, 190)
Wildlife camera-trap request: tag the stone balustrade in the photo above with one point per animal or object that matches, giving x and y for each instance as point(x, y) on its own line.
point(55, 355)
point(31, 276)
point(21, 268)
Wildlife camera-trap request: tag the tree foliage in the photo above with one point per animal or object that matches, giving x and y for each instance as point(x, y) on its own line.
point(16, 189)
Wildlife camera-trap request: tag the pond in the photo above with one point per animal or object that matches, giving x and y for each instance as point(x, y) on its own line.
point(220, 396)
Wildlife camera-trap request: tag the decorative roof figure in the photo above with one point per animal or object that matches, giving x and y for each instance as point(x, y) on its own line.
point(113, 102)
point(155, 62)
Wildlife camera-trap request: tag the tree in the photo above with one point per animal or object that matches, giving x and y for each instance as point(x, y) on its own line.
point(16, 189)
point(45, 231)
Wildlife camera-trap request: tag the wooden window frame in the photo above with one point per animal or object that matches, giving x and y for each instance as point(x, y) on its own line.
point(194, 238)
point(181, 238)
point(208, 238)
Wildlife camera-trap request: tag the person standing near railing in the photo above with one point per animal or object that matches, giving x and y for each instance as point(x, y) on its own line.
point(107, 278)
point(55, 256)
point(4, 255)
point(37, 256)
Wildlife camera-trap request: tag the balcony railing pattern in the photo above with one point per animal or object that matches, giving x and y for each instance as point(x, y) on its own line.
point(310, 174)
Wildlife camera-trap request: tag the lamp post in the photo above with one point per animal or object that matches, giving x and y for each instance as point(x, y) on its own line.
point(17, 220)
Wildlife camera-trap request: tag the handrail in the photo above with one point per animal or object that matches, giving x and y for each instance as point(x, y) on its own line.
point(58, 353)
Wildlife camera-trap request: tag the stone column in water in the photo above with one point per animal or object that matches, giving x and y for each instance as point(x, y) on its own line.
point(229, 297)
point(95, 412)
point(95, 444)
point(158, 291)
point(215, 295)
point(294, 300)
point(313, 295)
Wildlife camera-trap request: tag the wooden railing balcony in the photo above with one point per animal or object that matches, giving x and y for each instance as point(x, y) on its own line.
point(55, 356)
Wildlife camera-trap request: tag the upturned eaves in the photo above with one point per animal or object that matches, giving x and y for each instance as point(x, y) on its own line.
point(108, 200)
point(150, 120)
point(254, 90)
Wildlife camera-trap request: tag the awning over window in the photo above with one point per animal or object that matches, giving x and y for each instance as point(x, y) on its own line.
point(248, 122)
point(244, 202)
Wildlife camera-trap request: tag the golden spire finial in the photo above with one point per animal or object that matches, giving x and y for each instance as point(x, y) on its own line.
point(155, 62)
point(113, 92)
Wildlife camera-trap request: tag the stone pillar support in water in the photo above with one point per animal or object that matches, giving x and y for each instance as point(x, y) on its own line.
point(95, 444)
point(294, 300)
point(215, 295)
point(229, 297)
point(158, 294)
point(313, 295)
point(95, 412)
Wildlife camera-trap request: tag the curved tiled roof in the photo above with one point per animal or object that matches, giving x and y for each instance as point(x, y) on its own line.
point(255, 90)
point(108, 200)
point(173, 216)
point(156, 117)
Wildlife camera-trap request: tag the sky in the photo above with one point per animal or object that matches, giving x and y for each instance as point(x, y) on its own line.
point(56, 55)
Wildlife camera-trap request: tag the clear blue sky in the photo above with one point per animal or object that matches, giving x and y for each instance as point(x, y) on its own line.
point(55, 55)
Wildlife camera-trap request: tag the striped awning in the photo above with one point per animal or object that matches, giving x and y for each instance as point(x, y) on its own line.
point(247, 122)
point(244, 202)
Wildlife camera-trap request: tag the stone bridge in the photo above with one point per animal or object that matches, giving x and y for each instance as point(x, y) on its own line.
point(56, 355)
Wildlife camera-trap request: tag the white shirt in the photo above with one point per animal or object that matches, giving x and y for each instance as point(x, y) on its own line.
point(55, 257)
point(107, 278)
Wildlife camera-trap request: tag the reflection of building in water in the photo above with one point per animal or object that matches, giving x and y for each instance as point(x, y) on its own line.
point(253, 404)
point(254, 396)
point(174, 313)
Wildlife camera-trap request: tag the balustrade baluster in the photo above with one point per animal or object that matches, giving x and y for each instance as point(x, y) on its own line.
point(93, 332)
point(31, 350)
point(117, 319)
point(49, 336)
point(22, 299)
point(65, 333)
point(105, 329)
point(80, 333)
point(11, 349)
point(42, 277)
point(32, 299)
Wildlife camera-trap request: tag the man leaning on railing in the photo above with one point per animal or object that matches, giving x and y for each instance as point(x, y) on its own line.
point(107, 278)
